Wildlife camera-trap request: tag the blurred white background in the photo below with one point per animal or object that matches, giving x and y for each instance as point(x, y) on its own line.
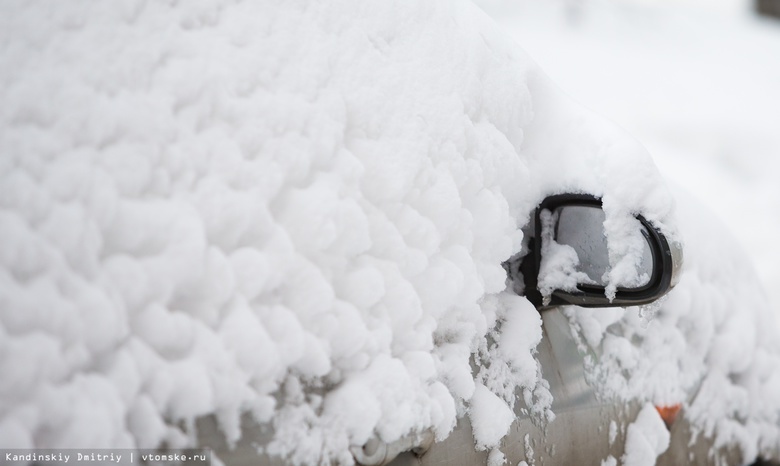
point(696, 81)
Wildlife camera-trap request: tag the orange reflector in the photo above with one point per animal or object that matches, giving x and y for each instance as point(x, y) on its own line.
point(669, 413)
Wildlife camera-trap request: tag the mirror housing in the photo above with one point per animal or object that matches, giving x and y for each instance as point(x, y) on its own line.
point(663, 270)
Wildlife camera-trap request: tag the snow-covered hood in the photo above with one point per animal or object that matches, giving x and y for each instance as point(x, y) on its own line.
point(294, 209)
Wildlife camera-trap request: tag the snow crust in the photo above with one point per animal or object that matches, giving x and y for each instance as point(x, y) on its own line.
point(295, 210)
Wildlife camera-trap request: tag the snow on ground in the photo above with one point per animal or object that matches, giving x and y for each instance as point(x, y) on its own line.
point(298, 210)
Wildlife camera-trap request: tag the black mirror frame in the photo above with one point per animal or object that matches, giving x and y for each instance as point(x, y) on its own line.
point(661, 281)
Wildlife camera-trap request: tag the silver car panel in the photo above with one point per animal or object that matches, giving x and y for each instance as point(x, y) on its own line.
point(578, 435)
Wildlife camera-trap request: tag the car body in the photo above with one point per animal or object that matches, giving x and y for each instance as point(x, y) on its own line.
point(579, 433)
point(279, 229)
point(588, 425)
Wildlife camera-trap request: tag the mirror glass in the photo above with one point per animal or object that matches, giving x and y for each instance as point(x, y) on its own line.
point(582, 228)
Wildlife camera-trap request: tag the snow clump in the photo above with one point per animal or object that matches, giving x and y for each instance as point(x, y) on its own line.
point(646, 438)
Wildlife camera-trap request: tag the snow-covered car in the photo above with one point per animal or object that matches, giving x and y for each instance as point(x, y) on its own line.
point(566, 262)
point(280, 230)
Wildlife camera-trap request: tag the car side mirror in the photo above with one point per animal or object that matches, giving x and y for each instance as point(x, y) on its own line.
point(568, 259)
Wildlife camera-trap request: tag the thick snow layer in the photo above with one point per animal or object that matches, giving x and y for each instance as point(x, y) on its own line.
point(297, 210)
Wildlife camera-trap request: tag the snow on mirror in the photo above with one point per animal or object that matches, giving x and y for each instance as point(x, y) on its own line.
point(582, 228)
point(568, 259)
